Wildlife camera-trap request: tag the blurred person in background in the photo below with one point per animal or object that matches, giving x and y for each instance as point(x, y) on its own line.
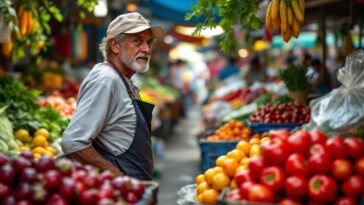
point(320, 82)
point(229, 70)
point(111, 127)
point(255, 72)
point(338, 63)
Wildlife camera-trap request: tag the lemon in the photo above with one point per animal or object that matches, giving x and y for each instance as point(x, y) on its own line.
point(40, 141)
point(22, 135)
point(42, 132)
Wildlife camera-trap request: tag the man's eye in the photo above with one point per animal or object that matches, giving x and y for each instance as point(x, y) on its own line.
point(137, 41)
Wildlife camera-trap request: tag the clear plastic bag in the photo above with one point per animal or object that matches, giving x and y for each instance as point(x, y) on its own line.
point(342, 110)
point(186, 195)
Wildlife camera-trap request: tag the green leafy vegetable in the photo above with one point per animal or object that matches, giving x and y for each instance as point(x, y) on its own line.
point(294, 77)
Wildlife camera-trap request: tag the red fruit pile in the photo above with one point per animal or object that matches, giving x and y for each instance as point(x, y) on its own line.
point(26, 181)
point(282, 114)
point(304, 168)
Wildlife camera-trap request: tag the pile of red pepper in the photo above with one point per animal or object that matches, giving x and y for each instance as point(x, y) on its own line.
point(304, 168)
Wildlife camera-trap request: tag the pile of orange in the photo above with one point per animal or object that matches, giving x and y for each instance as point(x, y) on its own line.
point(38, 144)
point(232, 130)
point(210, 184)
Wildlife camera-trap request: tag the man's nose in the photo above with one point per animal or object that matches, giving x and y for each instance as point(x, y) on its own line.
point(146, 48)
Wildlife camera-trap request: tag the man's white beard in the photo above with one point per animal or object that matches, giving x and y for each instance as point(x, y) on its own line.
point(134, 65)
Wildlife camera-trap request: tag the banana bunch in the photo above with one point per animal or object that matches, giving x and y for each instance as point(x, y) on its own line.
point(26, 22)
point(285, 15)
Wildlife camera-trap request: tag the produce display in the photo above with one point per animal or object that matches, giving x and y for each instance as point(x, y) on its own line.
point(58, 102)
point(304, 168)
point(24, 180)
point(239, 96)
point(155, 93)
point(286, 16)
point(282, 113)
point(233, 130)
point(8, 143)
point(24, 112)
point(214, 180)
point(39, 144)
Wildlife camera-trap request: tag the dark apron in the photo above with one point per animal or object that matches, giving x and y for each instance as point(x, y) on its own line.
point(137, 161)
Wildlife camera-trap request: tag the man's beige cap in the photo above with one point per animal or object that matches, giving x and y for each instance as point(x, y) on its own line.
point(132, 23)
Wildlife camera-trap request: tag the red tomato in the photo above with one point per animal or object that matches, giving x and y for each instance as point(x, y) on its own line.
point(300, 142)
point(355, 147)
point(243, 176)
point(359, 166)
point(322, 188)
point(297, 164)
point(336, 147)
point(281, 134)
point(287, 201)
point(296, 187)
point(260, 193)
point(345, 200)
point(256, 166)
point(318, 137)
point(273, 177)
point(275, 151)
point(319, 163)
point(317, 149)
point(341, 169)
point(353, 186)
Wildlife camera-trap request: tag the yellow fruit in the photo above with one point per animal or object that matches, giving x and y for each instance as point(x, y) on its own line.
point(220, 160)
point(218, 170)
point(264, 139)
point(43, 132)
point(7, 48)
point(210, 196)
point(23, 148)
point(239, 169)
point(220, 181)
point(203, 186)
point(244, 162)
point(297, 11)
point(243, 146)
point(209, 174)
point(236, 154)
point(48, 153)
point(268, 20)
point(38, 150)
point(287, 35)
point(302, 6)
point(200, 198)
point(21, 135)
point(52, 150)
point(37, 156)
point(230, 166)
point(200, 178)
point(283, 15)
point(40, 141)
point(255, 151)
point(233, 184)
point(275, 10)
point(296, 28)
point(254, 141)
point(289, 15)
point(276, 24)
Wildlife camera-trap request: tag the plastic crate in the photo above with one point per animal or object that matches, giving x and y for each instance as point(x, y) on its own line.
point(150, 194)
point(264, 127)
point(210, 151)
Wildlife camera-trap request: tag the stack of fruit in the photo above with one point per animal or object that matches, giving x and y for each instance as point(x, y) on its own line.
point(211, 183)
point(232, 130)
point(56, 101)
point(24, 180)
point(304, 168)
point(282, 113)
point(287, 16)
point(38, 144)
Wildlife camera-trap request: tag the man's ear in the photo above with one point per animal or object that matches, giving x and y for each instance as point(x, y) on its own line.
point(115, 46)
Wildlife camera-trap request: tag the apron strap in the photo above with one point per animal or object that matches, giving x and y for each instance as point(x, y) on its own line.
point(130, 91)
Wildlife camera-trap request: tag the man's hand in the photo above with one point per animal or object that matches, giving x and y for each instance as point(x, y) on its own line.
point(90, 156)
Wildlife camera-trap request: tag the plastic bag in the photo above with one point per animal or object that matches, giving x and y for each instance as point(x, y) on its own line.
point(342, 110)
point(186, 195)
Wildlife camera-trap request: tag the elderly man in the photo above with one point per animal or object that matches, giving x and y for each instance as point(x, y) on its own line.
point(111, 126)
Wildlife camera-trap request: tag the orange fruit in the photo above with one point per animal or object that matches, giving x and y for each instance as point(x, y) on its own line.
point(233, 184)
point(244, 162)
point(218, 170)
point(200, 198)
point(237, 132)
point(230, 166)
point(210, 196)
point(200, 178)
point(243, 146)
point(239, 124)
point(43, 132)
point(254, 141)
point(236, 154)
point(40, 141)
point(220, 160)
point(209, 174)
point(255, 150)
point(220, 181)
point(203, 186)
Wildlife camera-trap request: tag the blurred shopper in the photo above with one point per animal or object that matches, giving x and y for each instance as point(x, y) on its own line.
point(320, 82)
point(229, 70)
point(339, 63)
point(255, 72)
point(111, 126)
